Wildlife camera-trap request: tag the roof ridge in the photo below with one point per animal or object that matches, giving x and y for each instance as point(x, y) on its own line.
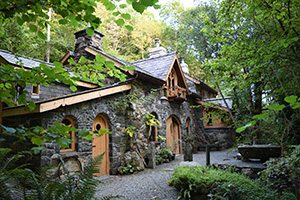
point(146, 59)
point(108, 54)
point(26, 57)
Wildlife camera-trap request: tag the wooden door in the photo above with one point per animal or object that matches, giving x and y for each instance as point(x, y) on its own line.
point(173, 135)
point(100, 144)
point(169, 135)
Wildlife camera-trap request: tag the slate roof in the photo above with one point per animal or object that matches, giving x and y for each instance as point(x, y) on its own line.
point(220, 102)
point(156, 66)
point(15, 59)
point(119, 60)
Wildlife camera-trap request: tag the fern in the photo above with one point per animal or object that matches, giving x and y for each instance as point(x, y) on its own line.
point(87, 183)
point(30, 185)
point(7, 173)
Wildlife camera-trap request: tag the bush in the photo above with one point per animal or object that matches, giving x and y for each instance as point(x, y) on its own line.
point(130, 168)
point(219, 184)
point(19, 183)
point(164, 156)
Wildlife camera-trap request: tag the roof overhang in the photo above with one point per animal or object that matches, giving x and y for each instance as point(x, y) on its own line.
point(215, 106)
point(196, 81)
point(148, 77)
point(67, 100)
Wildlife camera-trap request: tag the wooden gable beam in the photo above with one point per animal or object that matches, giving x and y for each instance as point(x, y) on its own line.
point(82, 97)
point(87, 85)
point(65, 57)
point(19, 111)
point(54, 104)
point(192, 79)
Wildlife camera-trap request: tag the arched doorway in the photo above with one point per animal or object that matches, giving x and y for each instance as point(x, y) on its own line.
point(173, 133)
point(100, 144)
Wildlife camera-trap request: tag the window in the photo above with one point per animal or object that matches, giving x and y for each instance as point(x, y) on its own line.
point(174, 90)
point(35, 90)
point(153, 130)
point(67, 121)
point(188, 126)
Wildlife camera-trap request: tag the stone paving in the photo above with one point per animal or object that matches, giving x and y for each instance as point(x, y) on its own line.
point(153, 183)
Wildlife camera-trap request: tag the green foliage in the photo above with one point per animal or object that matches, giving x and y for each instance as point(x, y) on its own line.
point(130, 130)
point(27, 184)
point(130, 168)
point(164, 155)
point(185, 34)
point(282, 173)
point(71, 13)
point(258, 43)
point(213, 113)
point(218, 184)
point(8, 172)
point(151, 120)
point(279, 134)
point(126, 100)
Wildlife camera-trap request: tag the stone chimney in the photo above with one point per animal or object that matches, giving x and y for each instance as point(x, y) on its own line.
point(184, 66)
point(157, 50)
point(82, 40)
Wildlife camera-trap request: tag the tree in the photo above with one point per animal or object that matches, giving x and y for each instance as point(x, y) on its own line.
point(259, 56)
point(187, 27)
point(33, 14)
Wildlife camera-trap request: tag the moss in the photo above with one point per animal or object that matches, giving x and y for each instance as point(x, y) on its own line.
point(219, 184)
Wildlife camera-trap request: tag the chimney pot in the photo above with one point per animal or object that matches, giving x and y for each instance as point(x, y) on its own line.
point(182, 59)
point(156, 42)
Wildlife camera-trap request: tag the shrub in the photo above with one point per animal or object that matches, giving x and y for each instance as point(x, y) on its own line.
point(219, 184)
point(18, 183)
point(130, 168)
point(164, 155)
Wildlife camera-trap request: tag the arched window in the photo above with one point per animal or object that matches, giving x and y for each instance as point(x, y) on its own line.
point(67, 121)
point(188, 126)
point(153, 130)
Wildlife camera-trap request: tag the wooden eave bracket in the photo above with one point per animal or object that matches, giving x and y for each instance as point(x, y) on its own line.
point(67, 101)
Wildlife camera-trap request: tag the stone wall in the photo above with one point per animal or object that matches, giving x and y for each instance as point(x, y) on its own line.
point(136, 112)
point(50, 92)
point(222, 137)
point(119, 118)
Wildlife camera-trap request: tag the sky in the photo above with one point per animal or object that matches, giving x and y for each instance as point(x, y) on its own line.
point(185, 3)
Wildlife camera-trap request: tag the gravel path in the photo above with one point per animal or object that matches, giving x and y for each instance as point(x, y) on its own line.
point(153, 183)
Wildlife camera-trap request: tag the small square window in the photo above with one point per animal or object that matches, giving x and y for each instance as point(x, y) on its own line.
point(35, 90)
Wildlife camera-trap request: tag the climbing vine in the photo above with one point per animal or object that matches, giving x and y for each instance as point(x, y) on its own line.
point(213, 113)
point(126, 100)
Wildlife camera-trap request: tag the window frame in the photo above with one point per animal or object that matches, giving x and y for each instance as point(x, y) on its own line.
point(37, 93)
point(72, 135)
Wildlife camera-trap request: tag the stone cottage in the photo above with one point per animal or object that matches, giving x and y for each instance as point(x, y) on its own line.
point(160, 85)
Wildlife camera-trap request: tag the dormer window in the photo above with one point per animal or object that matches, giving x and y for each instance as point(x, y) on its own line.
point(174, 91)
